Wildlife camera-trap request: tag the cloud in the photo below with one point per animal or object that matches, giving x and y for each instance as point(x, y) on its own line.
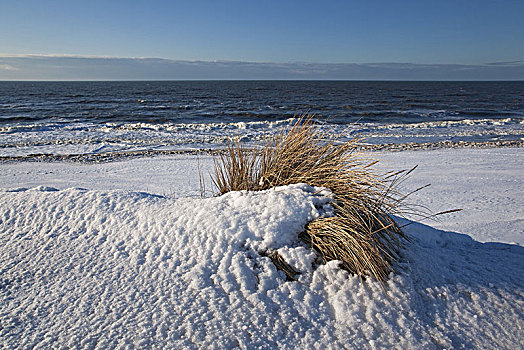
point(8, 67)
point(508, 63)
point(72, 67)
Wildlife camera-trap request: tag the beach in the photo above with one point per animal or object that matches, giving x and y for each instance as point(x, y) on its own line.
point(113, 235)
point(486, 183)
point(261, 175)
point(126, 253)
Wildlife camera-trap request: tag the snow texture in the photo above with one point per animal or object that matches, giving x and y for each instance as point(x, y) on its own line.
point(119, 269)
point(488, 184)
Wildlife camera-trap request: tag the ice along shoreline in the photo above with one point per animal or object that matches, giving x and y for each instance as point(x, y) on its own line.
point(126, 155)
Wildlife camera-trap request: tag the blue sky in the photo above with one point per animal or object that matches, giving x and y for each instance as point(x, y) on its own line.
point(460, 32)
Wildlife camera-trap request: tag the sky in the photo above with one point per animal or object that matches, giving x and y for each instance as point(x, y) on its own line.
point(468, 33)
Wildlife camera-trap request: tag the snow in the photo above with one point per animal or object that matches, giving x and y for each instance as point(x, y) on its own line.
point(176, 176)
point(124, 263)
point(485, 183)
point(488, 184)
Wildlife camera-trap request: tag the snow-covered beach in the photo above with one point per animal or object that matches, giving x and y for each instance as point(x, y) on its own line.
point(261, 175)
point(125, 254)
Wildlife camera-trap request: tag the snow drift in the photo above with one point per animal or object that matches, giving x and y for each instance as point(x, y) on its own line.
point(105, 269)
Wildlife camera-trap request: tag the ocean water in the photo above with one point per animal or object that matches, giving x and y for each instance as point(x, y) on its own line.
point(97, 117)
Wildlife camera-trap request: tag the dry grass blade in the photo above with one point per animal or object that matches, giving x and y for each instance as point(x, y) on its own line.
point(234, 169)
point(362, 234)
point(282, 265)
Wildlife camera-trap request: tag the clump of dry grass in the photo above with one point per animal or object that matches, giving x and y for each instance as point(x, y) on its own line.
point(362, 234)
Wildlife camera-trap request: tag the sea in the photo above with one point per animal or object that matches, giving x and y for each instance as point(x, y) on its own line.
point(69, 118)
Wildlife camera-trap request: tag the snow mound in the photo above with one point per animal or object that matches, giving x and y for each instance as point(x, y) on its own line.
point(100, 269)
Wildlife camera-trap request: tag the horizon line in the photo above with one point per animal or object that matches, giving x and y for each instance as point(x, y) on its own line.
point(264, 80)
point(109, 57)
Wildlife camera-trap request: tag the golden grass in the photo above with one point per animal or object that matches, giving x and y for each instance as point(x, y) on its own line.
point(362, 234)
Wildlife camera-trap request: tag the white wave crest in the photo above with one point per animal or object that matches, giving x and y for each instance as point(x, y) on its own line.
point(449, 123)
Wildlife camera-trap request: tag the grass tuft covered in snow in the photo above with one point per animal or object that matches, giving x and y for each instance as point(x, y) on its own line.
point(361, 232)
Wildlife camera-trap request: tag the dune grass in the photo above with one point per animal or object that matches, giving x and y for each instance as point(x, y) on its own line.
point(362, 233)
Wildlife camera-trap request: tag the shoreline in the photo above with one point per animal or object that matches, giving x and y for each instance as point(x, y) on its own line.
point(127, 155)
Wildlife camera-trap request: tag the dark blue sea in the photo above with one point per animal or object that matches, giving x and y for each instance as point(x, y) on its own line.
point(94, 117)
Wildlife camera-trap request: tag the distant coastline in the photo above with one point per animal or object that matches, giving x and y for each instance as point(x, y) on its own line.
point(89, 68)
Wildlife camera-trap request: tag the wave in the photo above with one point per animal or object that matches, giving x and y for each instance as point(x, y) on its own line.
point(251, 125)
point(449, 123)
point(169, 127)
point(172, 127)
point(79, 137)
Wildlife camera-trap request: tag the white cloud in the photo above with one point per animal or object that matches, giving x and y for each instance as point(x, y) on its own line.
point(8, 67)
point(50, 56)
